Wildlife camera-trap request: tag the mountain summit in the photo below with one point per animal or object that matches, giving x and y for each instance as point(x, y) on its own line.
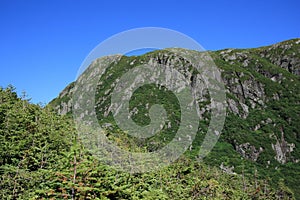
point(261, 135)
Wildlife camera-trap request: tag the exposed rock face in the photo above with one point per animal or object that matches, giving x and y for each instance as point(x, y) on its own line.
point(253, 78)
point(282, 149)
point(248, 89)
point(284, 55)
point(226, 169)
point(64, 108)
point(232, 105)
point(248, 151)
point(63, 103)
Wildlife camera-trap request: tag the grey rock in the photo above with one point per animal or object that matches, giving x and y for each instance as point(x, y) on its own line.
point(248, 151)
point(282, 149)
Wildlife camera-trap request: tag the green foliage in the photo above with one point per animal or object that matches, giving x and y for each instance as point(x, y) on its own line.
point(42, 159)
point(31, 141)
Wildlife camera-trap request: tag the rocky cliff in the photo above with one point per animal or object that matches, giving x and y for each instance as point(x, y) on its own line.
point(262, 124)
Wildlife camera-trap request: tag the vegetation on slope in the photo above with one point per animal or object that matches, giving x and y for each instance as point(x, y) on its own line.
point(261, 133)
point(258, 149)
point(40, 158)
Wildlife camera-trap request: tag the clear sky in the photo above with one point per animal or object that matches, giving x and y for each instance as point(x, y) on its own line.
point(44, 42)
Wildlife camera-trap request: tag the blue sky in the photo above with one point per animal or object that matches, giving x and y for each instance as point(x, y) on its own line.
point(43, 43)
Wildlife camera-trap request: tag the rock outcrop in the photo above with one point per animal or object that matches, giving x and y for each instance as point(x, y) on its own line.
point(262, 87)
point(282, 149)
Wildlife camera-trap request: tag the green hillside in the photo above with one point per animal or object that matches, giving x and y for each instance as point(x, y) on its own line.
point(256, 157)
point(261, 131)
point(40, 158)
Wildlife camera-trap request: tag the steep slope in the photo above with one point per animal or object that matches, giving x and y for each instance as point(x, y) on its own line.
point(40, 159)
point(261, 135)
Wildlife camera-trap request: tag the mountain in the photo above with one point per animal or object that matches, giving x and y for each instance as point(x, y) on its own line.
point(41, 157)
point(261, 135)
